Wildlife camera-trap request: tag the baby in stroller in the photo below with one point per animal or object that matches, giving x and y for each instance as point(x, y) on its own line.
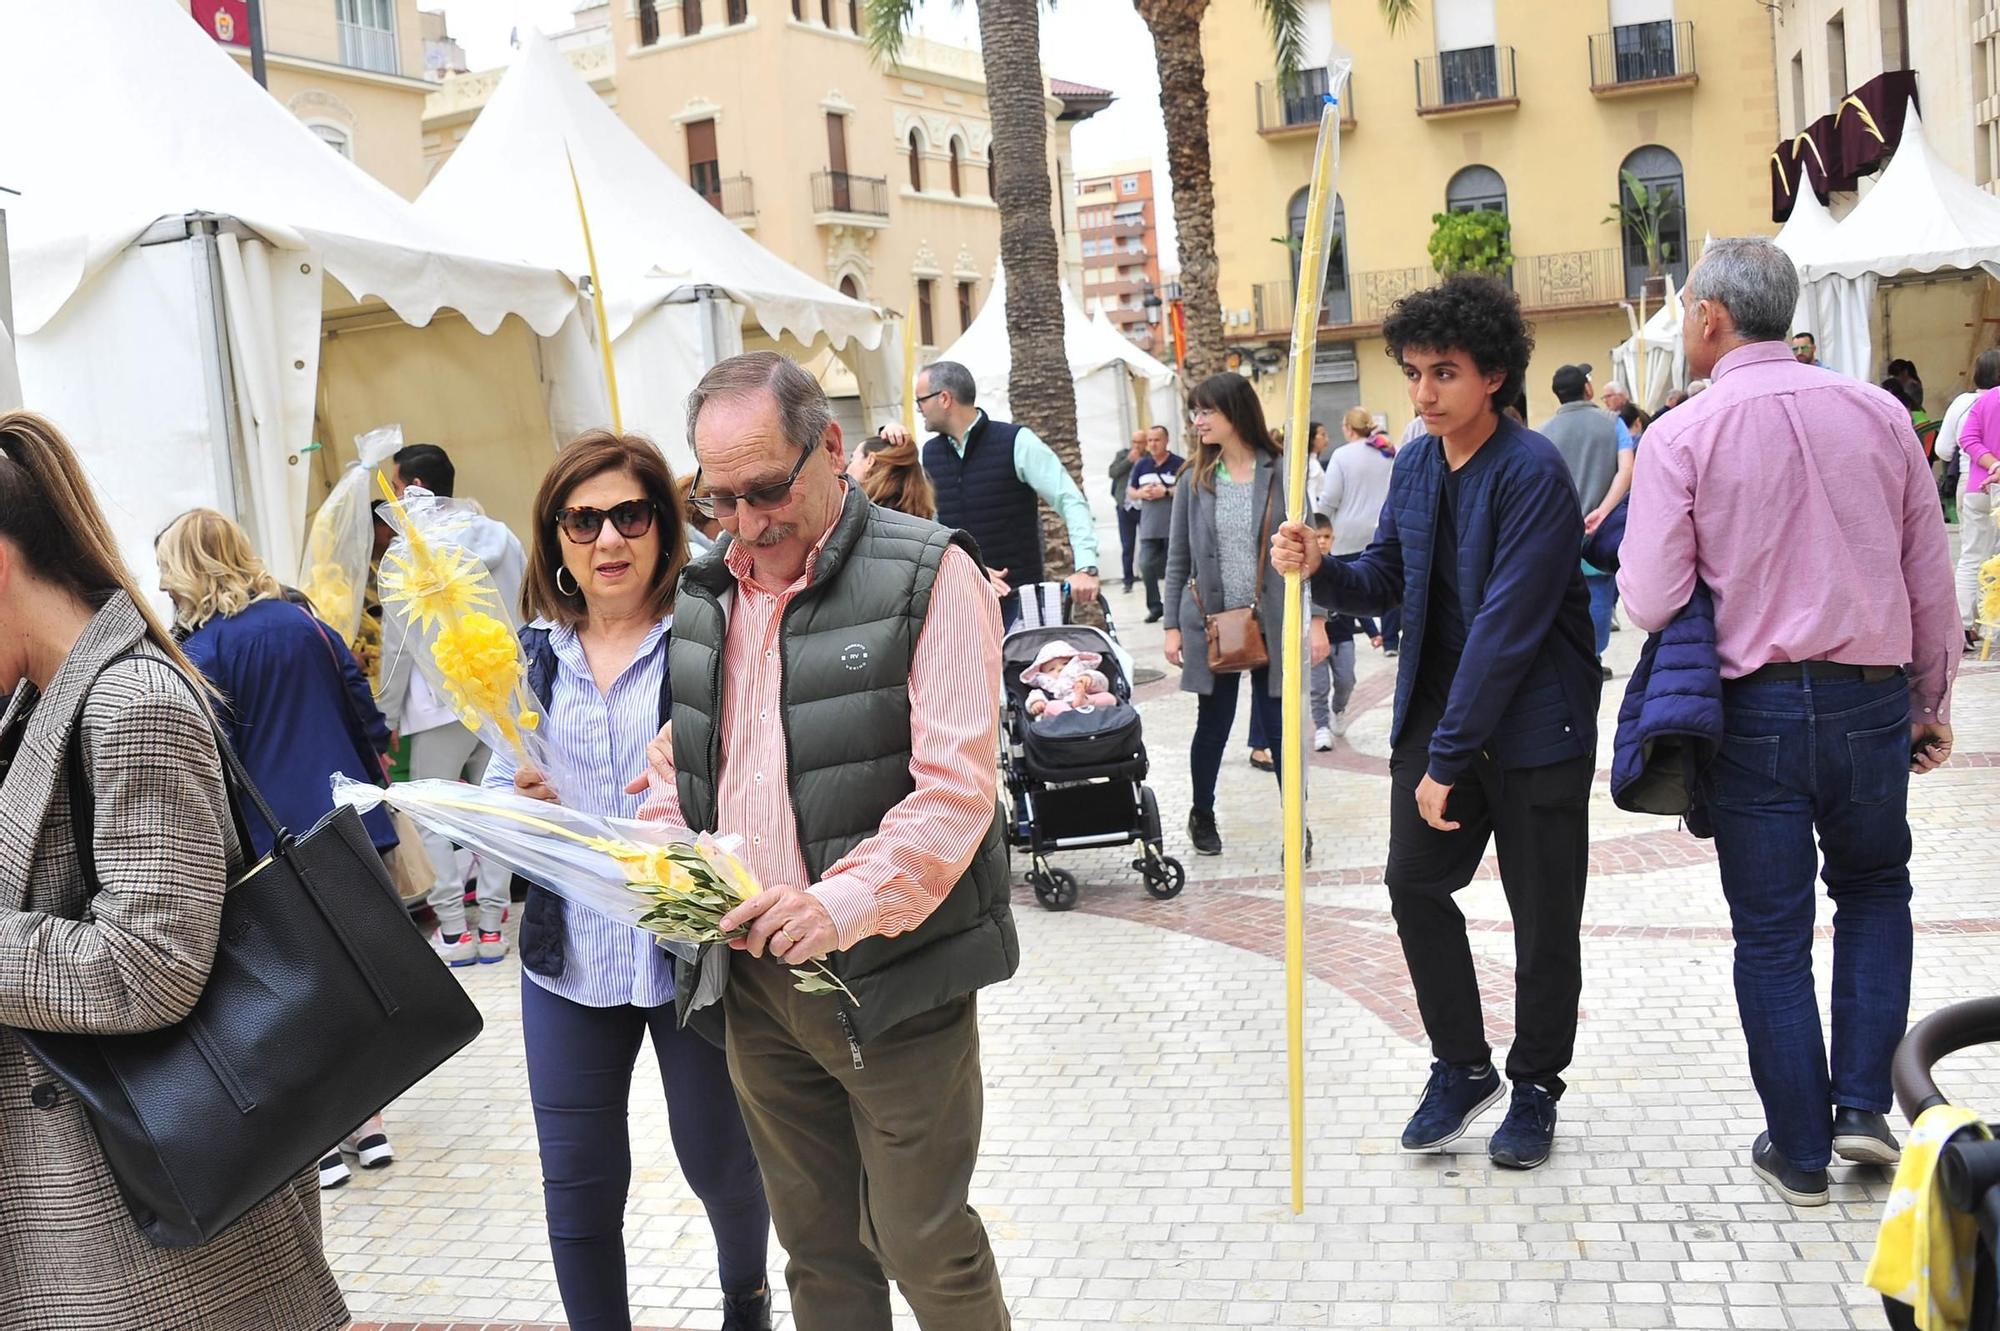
point(1062, 679)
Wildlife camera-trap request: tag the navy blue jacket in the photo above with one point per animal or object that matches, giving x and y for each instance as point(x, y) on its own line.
point(982, 495)
point(1670, 722)
point(290, 714)
point(1528, 682)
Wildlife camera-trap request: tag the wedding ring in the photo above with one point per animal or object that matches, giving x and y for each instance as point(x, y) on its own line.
point(787, 932)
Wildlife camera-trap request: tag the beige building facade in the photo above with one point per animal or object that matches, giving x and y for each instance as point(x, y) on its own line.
point(872, 178)
point(352, 70)
point(1530, 110)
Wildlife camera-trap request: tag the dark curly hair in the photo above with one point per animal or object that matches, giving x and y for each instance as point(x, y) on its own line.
point(1467, 312)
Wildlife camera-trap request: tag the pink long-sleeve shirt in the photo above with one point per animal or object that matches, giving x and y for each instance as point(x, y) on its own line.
point(891, 882)
point(1802, 498)
point(1979, 440)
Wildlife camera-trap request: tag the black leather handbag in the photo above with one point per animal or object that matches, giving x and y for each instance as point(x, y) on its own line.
point(324, 1004)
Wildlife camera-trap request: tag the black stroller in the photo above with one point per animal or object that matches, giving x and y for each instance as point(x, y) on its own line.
point(1968, 1167)
point(1078, 779)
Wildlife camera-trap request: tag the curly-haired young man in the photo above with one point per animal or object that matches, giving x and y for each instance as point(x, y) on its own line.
point(1495, 729)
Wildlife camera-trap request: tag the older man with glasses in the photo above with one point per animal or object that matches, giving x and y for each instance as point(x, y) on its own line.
point(835, 673)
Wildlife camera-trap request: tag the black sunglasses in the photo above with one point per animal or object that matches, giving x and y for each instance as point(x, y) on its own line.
point(928, 396)
point(764, 498)
point(633, 519)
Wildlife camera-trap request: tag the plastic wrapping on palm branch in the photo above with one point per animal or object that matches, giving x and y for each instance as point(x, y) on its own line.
point(675, 884)
point(333, 568)
point(461, 634)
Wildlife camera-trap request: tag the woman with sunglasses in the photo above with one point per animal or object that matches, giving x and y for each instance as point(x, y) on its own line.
point(609, 545)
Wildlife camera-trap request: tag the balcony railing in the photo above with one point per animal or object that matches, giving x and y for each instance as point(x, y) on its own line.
point(734, 198)
point(1572, 277)
point(1294, 104)
point(1475, 76)
point(844, 192)
point(1363, 298)
point(1641, 53)
point(663, 20)
point(367, 48)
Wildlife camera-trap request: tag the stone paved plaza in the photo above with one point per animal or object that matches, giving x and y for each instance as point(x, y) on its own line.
point(1135, 1170)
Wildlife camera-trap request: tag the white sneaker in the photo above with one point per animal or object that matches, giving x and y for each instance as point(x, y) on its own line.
point(460, 951)
point(1339, 724)
point(371, 1151)
point(1322, 739)
point(492, 947)
point(332, 1171)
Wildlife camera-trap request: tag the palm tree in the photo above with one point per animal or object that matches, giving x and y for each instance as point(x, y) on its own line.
point(1039, 388)
point(1176, 28)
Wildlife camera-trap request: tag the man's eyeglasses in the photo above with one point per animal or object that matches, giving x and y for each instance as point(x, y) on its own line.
point(928, 396)
point(764, 498)
point(633, 519)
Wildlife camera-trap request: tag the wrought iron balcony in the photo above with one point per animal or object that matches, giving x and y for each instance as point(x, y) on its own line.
point(1476, 78)
point(1286, 106)
point(1568, 278)
point(734, 198)
point(844, 193)
point(1640, 57)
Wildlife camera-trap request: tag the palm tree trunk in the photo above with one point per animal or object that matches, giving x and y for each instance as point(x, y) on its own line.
point(1039, 388)
point(1176, 27)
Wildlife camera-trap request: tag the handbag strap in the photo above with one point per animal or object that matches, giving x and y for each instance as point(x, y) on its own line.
point(357, 731)
point(236, 782)
point(1263, 550)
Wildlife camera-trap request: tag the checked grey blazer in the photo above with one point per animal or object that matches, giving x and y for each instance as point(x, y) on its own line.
point(70, 1257)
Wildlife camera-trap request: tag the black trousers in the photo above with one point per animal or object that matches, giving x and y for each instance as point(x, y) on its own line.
point(1538, 820)
point(1128, 539)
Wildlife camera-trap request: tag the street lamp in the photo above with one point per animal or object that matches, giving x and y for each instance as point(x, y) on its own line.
point(1152, 304)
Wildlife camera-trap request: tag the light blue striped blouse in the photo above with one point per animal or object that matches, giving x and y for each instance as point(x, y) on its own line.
point(600, 740)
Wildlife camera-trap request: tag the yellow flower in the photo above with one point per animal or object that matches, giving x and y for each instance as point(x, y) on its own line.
point(480, 665)
point(436, 584)
point(332, 595)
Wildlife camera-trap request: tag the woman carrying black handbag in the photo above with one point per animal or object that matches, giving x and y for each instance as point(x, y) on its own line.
point(79, 648)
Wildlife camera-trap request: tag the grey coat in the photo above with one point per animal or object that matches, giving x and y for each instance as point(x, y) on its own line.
point(132, 958)
point(1193, 550)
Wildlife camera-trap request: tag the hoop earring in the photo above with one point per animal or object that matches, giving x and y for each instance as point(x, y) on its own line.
point(572, 589)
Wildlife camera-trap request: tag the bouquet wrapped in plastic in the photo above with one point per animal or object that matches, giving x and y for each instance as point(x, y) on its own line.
point(666, 880)
point(333, 570)
point(456, 624)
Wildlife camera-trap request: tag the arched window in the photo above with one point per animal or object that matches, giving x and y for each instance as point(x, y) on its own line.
point(916, 162)
point(1337, 305)
point(850, 288)
point(1658, 172)
point(1475, 188)
point(334, 137)
point(956, 187)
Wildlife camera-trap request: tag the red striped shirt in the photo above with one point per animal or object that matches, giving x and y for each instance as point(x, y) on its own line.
point(891, 882)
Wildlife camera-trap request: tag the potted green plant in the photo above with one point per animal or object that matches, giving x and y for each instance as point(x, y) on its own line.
point(1479, 241)
point(1644, 212)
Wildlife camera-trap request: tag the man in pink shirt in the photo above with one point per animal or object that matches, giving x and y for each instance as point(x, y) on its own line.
point(835, 670)
point(1803, 501)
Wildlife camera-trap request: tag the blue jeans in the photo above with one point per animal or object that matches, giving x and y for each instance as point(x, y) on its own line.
point(580, 1080)
point(1603, 600)
point(1829, 757)
point(1215, 715)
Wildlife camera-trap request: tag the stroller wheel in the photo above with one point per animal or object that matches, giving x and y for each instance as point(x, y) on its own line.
point(1056, 889)
point(1165, 877)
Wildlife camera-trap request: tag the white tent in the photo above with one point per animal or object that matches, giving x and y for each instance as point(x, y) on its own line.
point(1665, 357)
point(1809, 231)
point(665, 255)
point(1112, 376)
point(184, 248)
point(1920, 217)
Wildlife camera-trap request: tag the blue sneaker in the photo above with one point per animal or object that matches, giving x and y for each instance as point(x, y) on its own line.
point(1529, 1130)
point(1452, 1099)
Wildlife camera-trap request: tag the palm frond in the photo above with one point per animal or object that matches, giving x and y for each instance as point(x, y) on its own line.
point(1397, 13)
point(1287, 22)
point(886, 23)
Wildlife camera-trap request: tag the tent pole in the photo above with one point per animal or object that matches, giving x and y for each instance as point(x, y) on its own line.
point(231, 464)
point(10, 379)
point(711, 350)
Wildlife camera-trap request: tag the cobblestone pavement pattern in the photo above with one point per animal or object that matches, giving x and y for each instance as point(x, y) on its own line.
point(1135, 1168)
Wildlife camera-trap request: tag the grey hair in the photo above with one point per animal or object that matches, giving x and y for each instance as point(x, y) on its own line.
point(948, 376)
point(803, 413)
point(1754, 280)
